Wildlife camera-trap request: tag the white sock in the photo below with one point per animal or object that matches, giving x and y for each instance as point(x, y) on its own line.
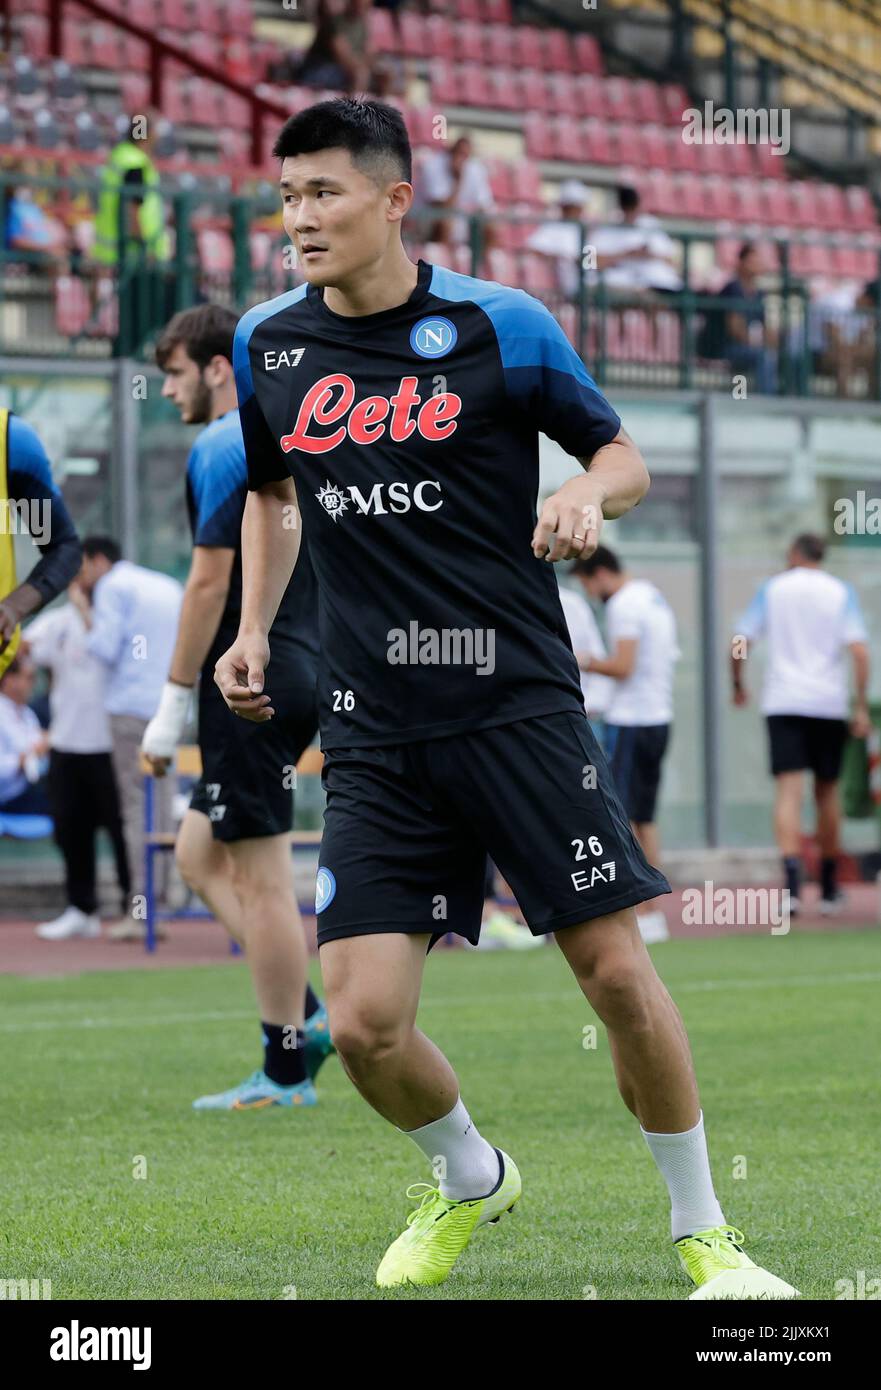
point(465, 1164)
point(685, 1168)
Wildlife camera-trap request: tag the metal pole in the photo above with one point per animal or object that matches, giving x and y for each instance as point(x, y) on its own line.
point(707, 514)
point(126, 459)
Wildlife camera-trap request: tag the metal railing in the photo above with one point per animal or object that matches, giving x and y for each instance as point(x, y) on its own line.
point(638, 337)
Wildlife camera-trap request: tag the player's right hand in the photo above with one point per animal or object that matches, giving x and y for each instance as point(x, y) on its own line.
point(239, 676)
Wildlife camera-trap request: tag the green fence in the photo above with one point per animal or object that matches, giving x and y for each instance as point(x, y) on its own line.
point(231, 248)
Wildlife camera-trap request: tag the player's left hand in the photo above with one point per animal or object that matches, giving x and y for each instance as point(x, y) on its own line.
point(569, 523)
point(165, 730)
point(8, 624)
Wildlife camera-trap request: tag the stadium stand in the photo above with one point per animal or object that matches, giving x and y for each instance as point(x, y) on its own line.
point(542, 99)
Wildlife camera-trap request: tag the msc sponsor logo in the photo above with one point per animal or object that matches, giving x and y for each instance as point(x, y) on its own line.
point(433, 337)
point(332, 399)
point(325, 889)
point(381, 499)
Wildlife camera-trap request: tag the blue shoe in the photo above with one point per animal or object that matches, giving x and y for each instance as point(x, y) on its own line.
point(318, 1042)
point(258, 1093)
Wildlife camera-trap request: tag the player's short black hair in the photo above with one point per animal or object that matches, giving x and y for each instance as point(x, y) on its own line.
point(628, 198)
point(602, 559)
point(810, 546)
point(374, 134)
point(102, 545)
point(746, 250)
point(205, 331)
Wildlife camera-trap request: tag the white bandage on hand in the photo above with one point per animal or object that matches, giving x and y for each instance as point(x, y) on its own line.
point(166, 728)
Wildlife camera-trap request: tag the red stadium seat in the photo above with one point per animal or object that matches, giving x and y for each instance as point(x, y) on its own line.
point(538, 136)
point(633, 148)
point(468, 39)
point(591, 92)
point(748, 207)
point(618, 99)
point(566, 139)
point(526, 183)
point(536, 92)
point(420, 123)
point(383, 33)
point(675, 99)
point(529, 46)
point(173, 15)
point(659, 193)
point(441, 35)
point(648, 105)
point(216, 255)
point(501, 266)
point(498, 46)
point(205, 18)
point(105, 47)
point(499, 180)
point(537, 273)
point(443, 82)
point(690, 195)
point(499, 90)
point(831, 207)
point(496, 11)
point(414, 34)
point(559, 55)
point(563, 94)
point(860, 209)
point(588, 58)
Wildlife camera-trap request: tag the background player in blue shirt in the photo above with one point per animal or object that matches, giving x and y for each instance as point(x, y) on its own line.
point(30, 501)
point(233, 847)
point(400, 406)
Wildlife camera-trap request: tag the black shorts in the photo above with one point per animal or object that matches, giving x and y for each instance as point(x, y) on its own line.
point(407, 830)
point(635, 753)
point(246, 787)
point(798, 742)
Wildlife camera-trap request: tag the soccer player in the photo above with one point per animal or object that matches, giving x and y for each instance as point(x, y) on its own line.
point(399, 405)
point(30, 500)
point(641, 630)
point(233, 848)
point(811, 619)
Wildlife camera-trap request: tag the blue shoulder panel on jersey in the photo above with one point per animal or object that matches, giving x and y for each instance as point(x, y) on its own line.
point(241, 360)
point(543, 373)
point(28, 462)
point(218, 477)
point(528, 333)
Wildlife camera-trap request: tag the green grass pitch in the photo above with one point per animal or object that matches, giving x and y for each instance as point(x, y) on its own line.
point(100, 1070)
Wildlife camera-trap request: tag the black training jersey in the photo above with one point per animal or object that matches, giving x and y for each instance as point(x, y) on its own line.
point(412, 438)
point(217, 486)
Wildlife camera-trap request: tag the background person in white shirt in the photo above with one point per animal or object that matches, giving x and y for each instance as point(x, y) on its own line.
point(503, 929)
point(563, 242)
point(23, 743)
point(635, 254)
point(81, 784)
point(455, 178)
point(811, 620)
point(641, 636)
point(587, 642)
point(132, 624)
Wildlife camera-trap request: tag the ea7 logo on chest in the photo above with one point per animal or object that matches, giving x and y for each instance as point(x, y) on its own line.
point(288, 357)
point(435, 418)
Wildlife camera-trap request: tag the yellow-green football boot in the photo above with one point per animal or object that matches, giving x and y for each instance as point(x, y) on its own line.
point(716, 1261)
point(439, 1229)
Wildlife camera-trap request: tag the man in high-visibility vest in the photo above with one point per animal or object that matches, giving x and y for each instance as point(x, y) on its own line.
point(30, 501)
point(131, 166)
point(145, 285)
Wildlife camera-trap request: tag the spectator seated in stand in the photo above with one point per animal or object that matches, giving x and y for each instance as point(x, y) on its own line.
point(453, 177)
point(24, 744)
point(740, 335)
